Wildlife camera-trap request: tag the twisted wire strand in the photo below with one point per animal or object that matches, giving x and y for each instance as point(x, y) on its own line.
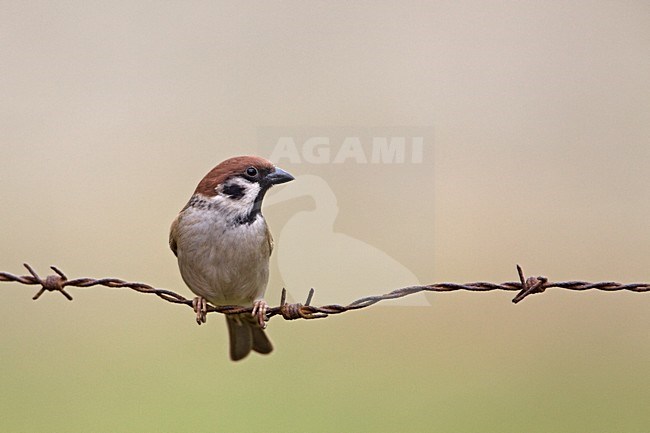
point(58, 282)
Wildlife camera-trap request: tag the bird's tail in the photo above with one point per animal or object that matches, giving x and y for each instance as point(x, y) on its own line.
point(246, 335)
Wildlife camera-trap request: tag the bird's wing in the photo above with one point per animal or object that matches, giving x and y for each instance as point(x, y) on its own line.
point(270, 238)
point(173, 232)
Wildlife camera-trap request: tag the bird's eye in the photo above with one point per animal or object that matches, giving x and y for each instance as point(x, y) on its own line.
point(251, 171)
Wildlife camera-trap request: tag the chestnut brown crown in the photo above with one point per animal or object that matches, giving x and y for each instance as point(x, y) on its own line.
point(237, 166)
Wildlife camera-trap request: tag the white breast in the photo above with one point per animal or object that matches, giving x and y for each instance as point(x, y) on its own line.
point(224, 263)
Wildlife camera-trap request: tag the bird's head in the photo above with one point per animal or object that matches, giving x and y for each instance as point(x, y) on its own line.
point(237, 186)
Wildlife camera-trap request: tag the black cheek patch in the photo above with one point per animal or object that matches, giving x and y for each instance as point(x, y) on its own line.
point(234, 191)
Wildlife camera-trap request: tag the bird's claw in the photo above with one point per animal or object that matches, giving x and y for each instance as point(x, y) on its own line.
point(200, 306)
point(259, 312)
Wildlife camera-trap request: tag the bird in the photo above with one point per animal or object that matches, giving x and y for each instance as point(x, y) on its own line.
point(223, 246)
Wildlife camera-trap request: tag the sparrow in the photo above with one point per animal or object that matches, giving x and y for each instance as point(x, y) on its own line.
point(223, 246)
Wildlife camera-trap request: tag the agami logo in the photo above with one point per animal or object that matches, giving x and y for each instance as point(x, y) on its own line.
point(361, 150)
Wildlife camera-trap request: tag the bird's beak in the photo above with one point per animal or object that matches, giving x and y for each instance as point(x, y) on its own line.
point(278, 176)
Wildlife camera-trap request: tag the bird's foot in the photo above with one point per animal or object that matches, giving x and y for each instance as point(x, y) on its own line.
point(200, 306)
point(259, 312)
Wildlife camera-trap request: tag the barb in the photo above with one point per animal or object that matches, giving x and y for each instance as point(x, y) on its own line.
point(525, 287)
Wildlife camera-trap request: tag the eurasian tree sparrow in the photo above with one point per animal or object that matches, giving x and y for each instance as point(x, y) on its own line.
point(223, 246)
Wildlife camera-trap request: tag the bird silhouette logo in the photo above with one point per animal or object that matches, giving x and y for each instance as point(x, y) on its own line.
point(341, 267)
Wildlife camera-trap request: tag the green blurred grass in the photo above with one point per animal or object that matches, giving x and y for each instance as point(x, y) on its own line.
point(145, 366)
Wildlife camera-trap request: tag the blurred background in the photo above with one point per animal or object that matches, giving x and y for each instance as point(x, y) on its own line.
point(536, 120)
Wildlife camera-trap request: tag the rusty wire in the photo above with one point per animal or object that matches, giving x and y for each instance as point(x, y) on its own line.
point(58, 281)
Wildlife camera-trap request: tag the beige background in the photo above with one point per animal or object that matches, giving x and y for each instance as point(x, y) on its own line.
point(112, 111)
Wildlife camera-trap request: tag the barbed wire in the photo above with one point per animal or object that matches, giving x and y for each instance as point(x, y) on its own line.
point(525, 287)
